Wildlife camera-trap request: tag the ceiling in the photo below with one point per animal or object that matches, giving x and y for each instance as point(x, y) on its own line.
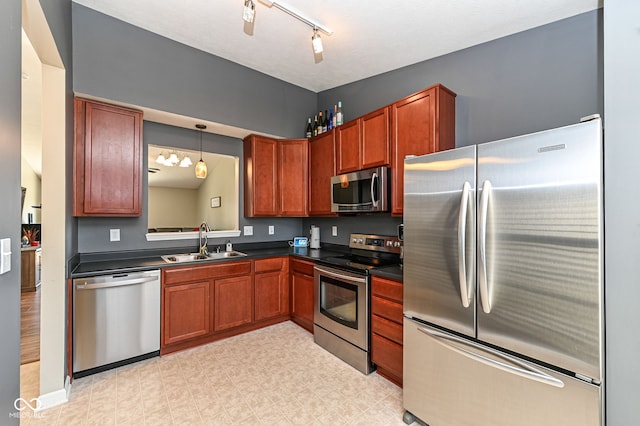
point(369, 37)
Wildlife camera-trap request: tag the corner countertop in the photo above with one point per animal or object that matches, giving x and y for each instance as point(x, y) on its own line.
point(124, 262)
point(392, 272)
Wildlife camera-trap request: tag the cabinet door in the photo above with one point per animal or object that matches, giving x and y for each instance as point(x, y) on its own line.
point(302, 300)
point(292, 177)
point(186, 312)
point(107, 160)
point(233, 302)
point(375, 139)
point(271, 295)
point(420, 124)
point(261, 176)
point(348, 147)
point(322, 167)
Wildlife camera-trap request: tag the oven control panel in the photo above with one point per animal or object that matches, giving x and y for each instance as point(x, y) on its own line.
point(384, 243)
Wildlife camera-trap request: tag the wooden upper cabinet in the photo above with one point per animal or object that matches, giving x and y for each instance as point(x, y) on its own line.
point(276, 176)
point(261, 176)
point(107, 160)
point(364, 142)
point(421, 123)
point(374, 149)
point(322, 167)
point(348, 147)
point(293, 175)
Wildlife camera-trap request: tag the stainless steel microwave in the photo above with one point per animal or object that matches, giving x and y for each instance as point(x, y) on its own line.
point(363, 191)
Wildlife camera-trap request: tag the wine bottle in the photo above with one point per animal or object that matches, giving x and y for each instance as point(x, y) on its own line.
point(339, 114)
point(335, 115)
point(315, 125)
point(325, 123)
point(319, 122)
point(309, 131)
point(331, 120)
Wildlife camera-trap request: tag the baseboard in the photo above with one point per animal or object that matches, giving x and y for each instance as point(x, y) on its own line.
point(54, 398)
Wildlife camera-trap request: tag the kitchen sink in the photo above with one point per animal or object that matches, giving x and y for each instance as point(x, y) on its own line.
point(185, 257)
point(193, 257)
point(226, 254)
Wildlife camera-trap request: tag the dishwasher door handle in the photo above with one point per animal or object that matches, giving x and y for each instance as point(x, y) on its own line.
point(142, 280)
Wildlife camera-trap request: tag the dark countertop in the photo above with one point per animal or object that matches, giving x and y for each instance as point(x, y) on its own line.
point(391, 272)
point(124, 262)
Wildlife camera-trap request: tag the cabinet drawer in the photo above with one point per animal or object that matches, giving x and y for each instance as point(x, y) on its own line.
point(386, 309)
point(387, 288)
point(203, 272)
point(387, 355)
point(386, 328)
point(302, 266)
point(267, 265)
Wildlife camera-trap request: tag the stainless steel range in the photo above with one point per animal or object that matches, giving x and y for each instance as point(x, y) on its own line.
point(342, 297)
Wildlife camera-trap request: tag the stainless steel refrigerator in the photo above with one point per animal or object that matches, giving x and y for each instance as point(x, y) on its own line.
point(503, 282)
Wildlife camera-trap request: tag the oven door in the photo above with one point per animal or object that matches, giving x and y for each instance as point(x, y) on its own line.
point(342, 304)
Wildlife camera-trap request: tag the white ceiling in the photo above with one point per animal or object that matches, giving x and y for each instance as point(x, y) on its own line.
point(369, 37)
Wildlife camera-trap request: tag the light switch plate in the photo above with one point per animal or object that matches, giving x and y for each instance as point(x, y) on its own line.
point(271, 230)
point(334, 231)
point(5, 255)
point(248, 230)
point(114, 234)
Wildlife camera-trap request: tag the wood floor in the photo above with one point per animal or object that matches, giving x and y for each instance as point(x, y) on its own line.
point(30, 326)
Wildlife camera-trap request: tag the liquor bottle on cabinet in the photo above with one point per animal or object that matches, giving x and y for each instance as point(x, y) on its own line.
point(320, 121)
point(325, 122)
point(339, 114)
point(309, 131)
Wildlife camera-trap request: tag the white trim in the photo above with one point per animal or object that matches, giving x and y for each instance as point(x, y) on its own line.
point(169, 236)
point(54, 398)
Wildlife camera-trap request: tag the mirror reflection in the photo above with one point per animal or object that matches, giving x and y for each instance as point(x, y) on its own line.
point(179, 201)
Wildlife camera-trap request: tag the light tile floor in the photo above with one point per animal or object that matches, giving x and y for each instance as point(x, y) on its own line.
point(272, 376)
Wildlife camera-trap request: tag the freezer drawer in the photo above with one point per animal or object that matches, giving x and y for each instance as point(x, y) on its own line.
point(449, 382)
point(116, 317)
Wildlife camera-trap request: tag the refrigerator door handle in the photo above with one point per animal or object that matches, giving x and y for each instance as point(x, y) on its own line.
point(462, 231)
point(509, 364)
point(482, 228)
point(374, 186)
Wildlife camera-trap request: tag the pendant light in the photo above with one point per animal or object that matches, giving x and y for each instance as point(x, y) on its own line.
point(201, 166)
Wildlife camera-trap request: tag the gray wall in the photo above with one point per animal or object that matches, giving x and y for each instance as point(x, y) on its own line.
point(10, 71)
point(538, 79)
point(93, 233)
point(622, 206)
point(117, 61)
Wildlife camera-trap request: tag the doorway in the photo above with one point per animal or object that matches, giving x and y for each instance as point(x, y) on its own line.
point(49, 372)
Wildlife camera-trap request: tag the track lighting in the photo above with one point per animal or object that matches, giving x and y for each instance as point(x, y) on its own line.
point(249, 11)
point(316, 42)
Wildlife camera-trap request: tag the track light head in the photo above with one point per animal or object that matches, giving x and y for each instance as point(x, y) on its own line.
point(316, 42)
point(249, 11)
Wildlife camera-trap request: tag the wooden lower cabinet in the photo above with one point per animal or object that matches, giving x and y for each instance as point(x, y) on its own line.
point(233, 302)
point(271, 286)
point(386, 327)
point(302, 293)
point(186, 312)
point(205, 302)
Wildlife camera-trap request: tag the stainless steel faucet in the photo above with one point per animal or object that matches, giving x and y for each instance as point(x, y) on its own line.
point(202, 238)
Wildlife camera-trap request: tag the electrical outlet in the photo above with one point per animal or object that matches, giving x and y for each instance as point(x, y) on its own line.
point(114, 234)
point(271, 230)
point(334, 231)
point(248, 230)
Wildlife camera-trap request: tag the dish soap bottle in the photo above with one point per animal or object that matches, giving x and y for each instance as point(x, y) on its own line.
point(229, 246)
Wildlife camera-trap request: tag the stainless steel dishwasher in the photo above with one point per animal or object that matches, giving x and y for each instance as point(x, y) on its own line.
point(116, 320)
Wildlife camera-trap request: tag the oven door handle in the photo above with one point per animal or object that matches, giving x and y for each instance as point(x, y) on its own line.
point(332, 273)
